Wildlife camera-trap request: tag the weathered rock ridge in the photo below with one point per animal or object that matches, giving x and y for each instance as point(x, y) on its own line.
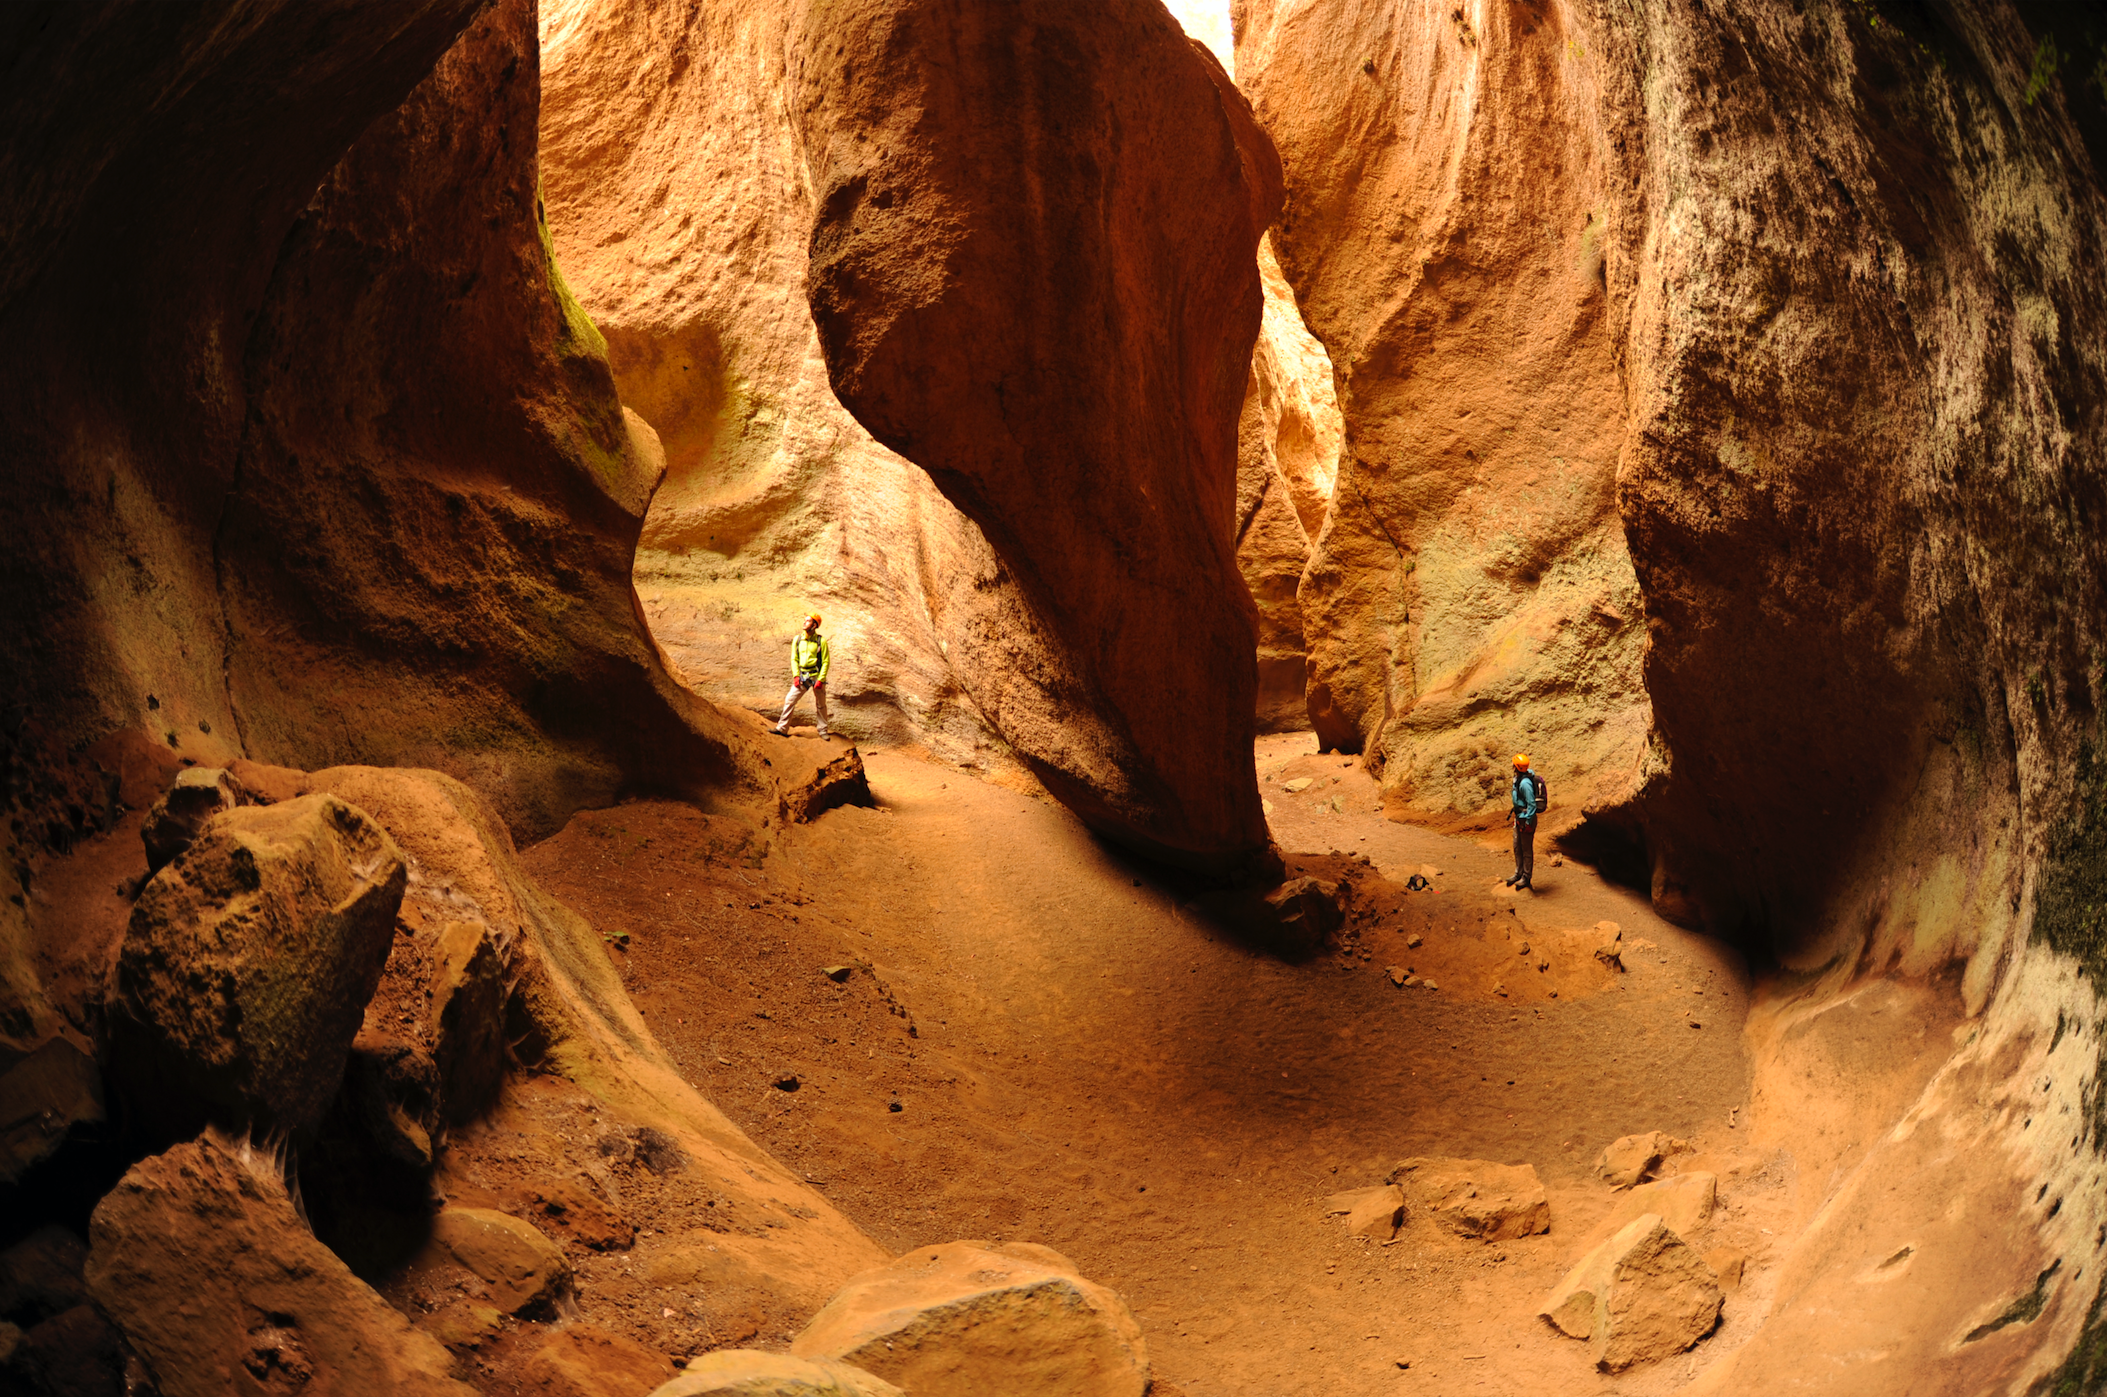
point(1032, 270)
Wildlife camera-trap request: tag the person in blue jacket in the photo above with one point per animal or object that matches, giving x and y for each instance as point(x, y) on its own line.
point(808, 670)
point(1527, 796)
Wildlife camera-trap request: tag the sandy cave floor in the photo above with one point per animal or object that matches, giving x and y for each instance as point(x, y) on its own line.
point(1096, 1067)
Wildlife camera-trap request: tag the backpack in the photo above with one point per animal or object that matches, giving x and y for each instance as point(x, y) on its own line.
point(1543, 795)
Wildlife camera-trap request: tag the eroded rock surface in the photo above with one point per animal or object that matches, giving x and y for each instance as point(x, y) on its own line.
point(213, 1278)
point(968, 1318)
point(995, 337)
point(248, 964)
point(1471, 595)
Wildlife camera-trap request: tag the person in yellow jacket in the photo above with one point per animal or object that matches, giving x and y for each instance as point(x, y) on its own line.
point(808, 670)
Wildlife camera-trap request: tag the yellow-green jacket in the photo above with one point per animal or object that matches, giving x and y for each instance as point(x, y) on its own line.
point(809, 657)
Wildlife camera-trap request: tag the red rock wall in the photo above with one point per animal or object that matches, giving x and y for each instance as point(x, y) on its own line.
point(304, 469)
point(1845, 350)
point(1032, 273)
point(1470, 596)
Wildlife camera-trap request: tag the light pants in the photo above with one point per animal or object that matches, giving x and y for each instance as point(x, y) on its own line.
point(1524, 849)
point(819, 701)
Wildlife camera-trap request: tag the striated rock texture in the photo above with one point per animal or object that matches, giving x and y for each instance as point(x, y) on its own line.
point(1470, 595)
point(680, 212)
point(1287, 461)
point(1032, 273)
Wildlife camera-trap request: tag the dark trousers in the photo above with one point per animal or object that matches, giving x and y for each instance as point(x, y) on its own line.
point(1525, 849)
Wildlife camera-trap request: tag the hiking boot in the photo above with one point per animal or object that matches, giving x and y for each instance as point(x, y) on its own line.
point(1510, 881)
point(780, 732)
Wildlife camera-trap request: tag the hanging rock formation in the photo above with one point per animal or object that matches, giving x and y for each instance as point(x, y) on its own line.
point(1032, 273)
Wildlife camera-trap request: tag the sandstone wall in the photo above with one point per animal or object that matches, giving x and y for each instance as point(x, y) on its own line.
point(1450, 193)
point(1032, 270)
point(680, 212)
point(1837, 337)
point(301, 469)
point(1287, 462)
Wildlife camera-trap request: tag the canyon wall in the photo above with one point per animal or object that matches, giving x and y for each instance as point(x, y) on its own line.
point(1470, 595)
point(1033, 274)
point(680, 213)
point(1778, 330)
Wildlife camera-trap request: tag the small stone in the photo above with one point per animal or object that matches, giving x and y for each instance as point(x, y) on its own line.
point(839, 974)
point(1727, 1263)
point(1684, 1203)
point(522, 1267)
point(752, 1373)
point(1640, 1296)
point(1429, 984)
point(788, 1083)
point(1397, 975)
point(1499, 989)
point(1523, 950)
point(194, 797)
point(1476, 1198)
point(1296, 786)
point(1370, 1212)
point(1632, 1159)
point(1412, 941)
point(967, 1319)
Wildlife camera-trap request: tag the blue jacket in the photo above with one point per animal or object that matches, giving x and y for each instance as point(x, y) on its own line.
point(1524, 796)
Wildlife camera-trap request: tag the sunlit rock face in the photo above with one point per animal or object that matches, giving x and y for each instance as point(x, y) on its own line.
point(680, 214)
point(1471, 595)
point(1287, 461)
point(1033, 273)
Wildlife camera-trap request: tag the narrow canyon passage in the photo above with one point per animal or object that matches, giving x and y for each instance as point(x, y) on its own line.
point(1096, 1067)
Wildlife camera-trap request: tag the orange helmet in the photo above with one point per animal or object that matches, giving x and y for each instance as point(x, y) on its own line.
point(813, 617)
point(1521, 761)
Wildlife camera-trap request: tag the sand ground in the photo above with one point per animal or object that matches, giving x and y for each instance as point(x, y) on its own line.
point(1038, 1039)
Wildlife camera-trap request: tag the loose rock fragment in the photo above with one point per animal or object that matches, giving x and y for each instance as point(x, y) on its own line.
point(1632, 1159)
point(199, 1258)
point(751, 1373)
point(966, 1319)
point(248, 963)
point(523, 1268)
point(1476, 1198)
point(1370, 1212)
point(1639, 1296)
point(197, 794)
point(1684, 1202)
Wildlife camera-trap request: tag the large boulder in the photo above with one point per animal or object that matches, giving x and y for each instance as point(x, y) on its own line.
point(1033, 273)
point(1475, 1197)
point(247, 965)
point(752, 1373)
point(1641, 1295)
point(519, 1267)
point(202, 1262)
point(969, 1318)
